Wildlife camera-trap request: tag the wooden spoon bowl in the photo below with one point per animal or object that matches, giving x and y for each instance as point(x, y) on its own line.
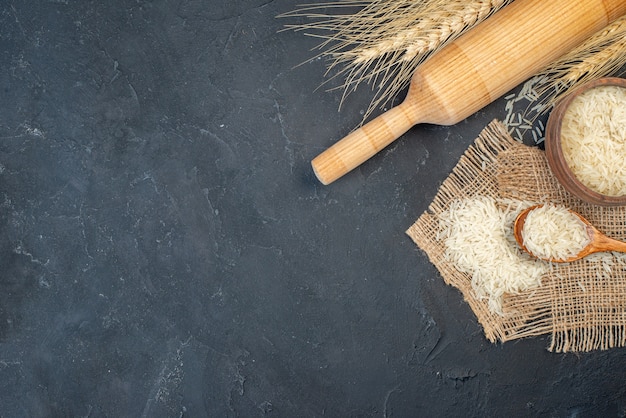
point(598, 241)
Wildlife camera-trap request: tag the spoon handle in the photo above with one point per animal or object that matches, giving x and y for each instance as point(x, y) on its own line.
point(603, 243)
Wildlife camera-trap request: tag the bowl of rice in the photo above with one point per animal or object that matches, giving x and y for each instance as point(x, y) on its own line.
point(586, 142)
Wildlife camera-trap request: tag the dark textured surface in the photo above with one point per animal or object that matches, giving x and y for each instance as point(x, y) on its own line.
point(166, 251)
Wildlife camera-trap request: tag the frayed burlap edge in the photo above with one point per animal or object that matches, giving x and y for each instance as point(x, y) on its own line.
point(581, 305)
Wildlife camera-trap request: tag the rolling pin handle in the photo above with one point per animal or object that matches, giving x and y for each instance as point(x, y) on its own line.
point(362, 144)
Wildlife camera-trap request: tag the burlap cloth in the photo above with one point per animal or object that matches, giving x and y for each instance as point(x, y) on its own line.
point(582, 305)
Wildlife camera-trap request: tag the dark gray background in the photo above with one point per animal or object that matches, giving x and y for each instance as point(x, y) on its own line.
point(166, 250)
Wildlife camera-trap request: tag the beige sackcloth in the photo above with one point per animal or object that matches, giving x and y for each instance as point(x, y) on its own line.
point(582, 304)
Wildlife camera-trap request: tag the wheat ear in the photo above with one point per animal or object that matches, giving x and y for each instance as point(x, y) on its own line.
point(439, 23)
point(603, 54)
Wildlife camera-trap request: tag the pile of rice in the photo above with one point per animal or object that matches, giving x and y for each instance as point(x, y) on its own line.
point(479, 240)
point(593, 139)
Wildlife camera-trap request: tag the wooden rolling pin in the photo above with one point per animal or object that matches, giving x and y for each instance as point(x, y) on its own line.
point(474, 70)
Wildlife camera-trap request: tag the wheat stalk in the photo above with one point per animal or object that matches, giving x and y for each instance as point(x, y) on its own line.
point(603, 54)
point(386, 40)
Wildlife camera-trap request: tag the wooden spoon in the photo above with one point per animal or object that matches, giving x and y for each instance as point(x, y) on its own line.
point(598, 241)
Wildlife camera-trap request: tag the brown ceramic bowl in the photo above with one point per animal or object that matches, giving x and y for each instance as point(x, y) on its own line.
point(554, 152)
